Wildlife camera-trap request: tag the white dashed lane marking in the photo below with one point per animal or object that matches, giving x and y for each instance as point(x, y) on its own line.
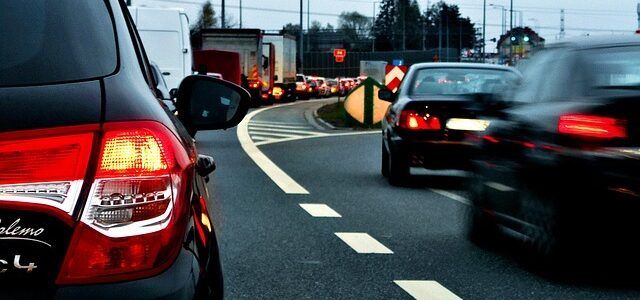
point(319, 210)
point(426, 290)
point(452, 196)
point(363, 243)
point(499, 186)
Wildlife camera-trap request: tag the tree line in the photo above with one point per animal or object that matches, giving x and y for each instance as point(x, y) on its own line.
point(399, 25)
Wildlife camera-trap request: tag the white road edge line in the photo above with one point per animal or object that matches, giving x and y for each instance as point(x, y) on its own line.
point(279, 177)
point(426, 290)
point(363, 243)
point(452, 196)
point(319, 210)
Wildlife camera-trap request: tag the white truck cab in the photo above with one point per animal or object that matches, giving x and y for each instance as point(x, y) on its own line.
point(165, 35)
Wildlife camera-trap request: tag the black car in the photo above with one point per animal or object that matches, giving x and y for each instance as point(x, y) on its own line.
point(102, 192)
point(558, 167)
point(427, 124)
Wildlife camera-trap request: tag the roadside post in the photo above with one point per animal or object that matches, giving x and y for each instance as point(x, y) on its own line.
point(363, 104)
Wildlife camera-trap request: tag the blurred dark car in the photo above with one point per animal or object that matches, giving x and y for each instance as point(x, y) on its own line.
point(103, 194)
point(427, 123)
point(559, 166)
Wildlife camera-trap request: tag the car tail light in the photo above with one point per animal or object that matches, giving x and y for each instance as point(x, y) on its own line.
point(590, 126)
point(135, 215)
point(415, 121)
point(254, 84)
point(45, 166)
point(277, 91)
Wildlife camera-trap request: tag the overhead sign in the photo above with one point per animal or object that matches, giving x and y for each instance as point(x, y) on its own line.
point(363, 103)
point(393, 76)
point(339, 54)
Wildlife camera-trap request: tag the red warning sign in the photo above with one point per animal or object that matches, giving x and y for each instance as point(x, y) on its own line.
point(394, 76)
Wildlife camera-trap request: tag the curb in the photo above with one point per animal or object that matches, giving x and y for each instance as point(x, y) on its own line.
point(312, 117)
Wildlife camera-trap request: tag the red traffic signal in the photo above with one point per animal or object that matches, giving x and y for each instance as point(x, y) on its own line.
point(339, 53)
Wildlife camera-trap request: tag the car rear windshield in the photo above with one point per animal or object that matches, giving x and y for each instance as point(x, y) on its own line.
point(613, 67)
point(46, 42)
point(299, 78)
point(459, 81)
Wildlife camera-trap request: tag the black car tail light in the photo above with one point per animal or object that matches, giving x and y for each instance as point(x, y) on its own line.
point(45, 167)
point(412, 120)
point(591, 126)
point(135, 217)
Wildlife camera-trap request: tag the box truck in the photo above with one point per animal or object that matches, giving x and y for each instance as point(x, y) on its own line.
point(166, 39)
point(257, 60)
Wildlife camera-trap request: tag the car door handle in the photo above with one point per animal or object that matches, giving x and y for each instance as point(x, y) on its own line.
point(166, 73)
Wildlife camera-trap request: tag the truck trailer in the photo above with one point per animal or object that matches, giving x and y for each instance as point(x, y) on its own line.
point(257, 60)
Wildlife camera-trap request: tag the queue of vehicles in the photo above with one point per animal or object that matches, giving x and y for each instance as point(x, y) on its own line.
point(552, 151)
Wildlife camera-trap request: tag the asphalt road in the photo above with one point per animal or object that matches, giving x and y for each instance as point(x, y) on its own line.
point(272, 248)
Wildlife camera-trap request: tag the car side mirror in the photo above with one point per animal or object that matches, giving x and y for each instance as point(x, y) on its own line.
point(172, 93)
point(207, 103)
point(386, 95)
point(275, 77)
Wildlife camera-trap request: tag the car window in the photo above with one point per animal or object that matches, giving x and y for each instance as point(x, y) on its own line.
point(534, 76)
point(558, 81)
point(457, 81)
point(55, 44)
point(613, 66)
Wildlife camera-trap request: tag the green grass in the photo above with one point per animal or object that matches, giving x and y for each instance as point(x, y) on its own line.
point(335, 115)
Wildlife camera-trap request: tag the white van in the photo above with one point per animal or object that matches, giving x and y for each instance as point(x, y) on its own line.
point(166, 39)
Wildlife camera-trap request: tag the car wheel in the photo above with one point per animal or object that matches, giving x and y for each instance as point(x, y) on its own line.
point(398, 168)
point(545, 234)
point(384, 168)
point(482, 229)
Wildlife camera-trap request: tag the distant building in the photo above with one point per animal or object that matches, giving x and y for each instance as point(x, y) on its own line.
point(518, 44)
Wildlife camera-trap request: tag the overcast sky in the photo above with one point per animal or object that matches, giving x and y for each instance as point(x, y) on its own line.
point(581, 16)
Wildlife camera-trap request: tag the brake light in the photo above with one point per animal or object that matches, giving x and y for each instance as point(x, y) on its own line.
point(415, 121)
point(45, 167)
point(135, 217)
point(254, 84)
point(592, 126)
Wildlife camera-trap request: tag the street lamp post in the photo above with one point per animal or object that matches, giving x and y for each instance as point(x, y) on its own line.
point(484, 29)
point(504, 16)
point(300, 41)
point(373, 21)
point(511, 17)
point(222, 18)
